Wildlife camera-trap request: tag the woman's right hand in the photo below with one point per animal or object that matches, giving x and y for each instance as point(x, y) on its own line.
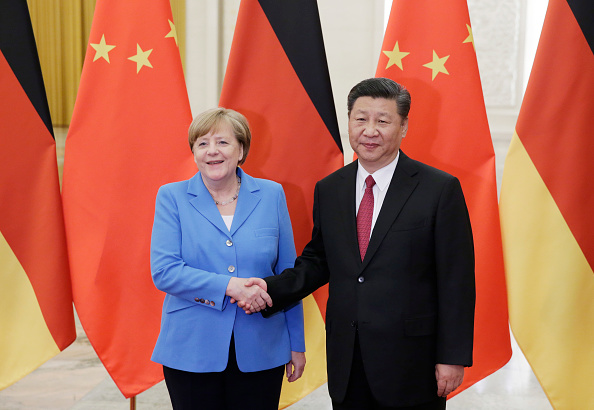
point(254, 297)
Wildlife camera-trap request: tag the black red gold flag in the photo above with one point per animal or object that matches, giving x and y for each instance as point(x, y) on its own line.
point(36, 315)
point(277, 76)
point(546, 209)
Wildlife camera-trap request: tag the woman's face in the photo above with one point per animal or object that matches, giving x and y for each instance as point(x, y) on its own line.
point(217, 154)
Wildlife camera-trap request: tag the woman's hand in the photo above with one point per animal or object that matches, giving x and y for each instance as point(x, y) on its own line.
point(253, 297)
point(296, 366)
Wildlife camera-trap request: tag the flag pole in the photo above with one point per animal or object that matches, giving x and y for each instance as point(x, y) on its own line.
point(133, 403)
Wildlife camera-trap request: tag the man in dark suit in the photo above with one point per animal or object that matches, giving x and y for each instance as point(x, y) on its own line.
point(397, 252)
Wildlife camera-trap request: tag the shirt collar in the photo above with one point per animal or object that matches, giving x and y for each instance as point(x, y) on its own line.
point(382, 176)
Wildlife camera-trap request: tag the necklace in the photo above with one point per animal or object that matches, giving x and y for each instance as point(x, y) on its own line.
point(234, 196)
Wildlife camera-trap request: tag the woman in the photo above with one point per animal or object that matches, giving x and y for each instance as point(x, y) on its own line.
point(210, 233)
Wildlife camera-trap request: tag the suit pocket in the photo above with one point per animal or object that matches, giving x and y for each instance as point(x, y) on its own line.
point(266, 247)
point(411, 225)
point(264, 232)
point(420, 326)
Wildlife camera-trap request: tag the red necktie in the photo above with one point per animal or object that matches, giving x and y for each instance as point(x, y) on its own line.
point(364, 216)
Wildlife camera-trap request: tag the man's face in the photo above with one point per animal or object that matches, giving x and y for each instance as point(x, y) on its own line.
point(376, 131)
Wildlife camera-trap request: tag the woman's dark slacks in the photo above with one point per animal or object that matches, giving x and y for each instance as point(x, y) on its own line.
point(230, 389)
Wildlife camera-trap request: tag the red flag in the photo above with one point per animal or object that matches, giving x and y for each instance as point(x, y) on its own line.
point(546, 209)
point(128, 136)
point(277, 76)
point(36, 316)
point(428, 47)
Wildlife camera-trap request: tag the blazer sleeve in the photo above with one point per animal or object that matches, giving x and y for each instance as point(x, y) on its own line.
point(454, 253)
point(310, 271)
point(286, 259)
point(170, 272)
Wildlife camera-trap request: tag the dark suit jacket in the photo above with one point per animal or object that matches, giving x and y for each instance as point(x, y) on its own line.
point(411, 299)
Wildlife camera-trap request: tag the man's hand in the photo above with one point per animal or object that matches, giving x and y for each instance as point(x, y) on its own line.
point(449, 378)
point(250, 298)
point(296, 366)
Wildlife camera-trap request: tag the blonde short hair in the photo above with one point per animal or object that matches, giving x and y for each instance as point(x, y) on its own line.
point(212, 119)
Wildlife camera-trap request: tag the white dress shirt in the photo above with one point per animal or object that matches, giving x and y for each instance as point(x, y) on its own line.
point(228, 219)
point(382, 178)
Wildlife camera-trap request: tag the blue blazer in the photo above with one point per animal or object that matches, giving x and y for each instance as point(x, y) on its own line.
point(193, 257)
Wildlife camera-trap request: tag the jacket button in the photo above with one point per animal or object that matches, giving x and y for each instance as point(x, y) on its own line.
point(196, 299)
point(361, 279)
point(229, 242)
point(212, 303)
point(231, 268)
point(201, 300)
point(206, 301)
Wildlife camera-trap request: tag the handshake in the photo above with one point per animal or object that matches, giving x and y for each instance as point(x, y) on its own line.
point(249, 294)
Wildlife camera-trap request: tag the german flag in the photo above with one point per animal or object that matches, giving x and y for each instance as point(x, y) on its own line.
point(128, 136)
point(429, 48)
point(36, 316)
point(547, 204)
point(277, 76)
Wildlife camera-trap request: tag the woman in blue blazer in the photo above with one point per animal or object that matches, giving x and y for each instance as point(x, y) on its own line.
point(210, 233)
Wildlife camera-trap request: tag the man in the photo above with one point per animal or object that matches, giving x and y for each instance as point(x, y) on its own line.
point(400, 312)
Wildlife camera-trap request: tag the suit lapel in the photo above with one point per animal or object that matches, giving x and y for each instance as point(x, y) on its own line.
point(247, 200)
point(401, 187)
point(347, 217)
point(202, 201)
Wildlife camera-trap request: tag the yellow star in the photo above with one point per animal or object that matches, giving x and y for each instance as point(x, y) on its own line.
point(395, 57)
point(470, 38)
point(437, 65)
point(102, 49)
point(173, 32)
point(141, 58)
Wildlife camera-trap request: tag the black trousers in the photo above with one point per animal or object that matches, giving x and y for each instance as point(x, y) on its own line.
point(359, 396)
point(230, 389)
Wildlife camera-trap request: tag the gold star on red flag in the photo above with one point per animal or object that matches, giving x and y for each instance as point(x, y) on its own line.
point(437, 65)
point(102, 49)
point(173, 32)
point(141, 58)
point(470, 38)
point(395, 56)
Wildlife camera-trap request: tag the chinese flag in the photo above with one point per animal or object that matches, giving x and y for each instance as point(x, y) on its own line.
point(36, 316)
point(128, 136)
point(277, 76)
point(428, 47)
point(546, 206)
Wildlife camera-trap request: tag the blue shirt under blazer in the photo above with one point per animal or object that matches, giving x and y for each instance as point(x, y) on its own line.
point(193, 257)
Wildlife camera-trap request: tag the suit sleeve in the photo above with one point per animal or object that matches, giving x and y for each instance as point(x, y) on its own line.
point(286, 259)
point(170, 272)
point(309, 273)
point(454, 252)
